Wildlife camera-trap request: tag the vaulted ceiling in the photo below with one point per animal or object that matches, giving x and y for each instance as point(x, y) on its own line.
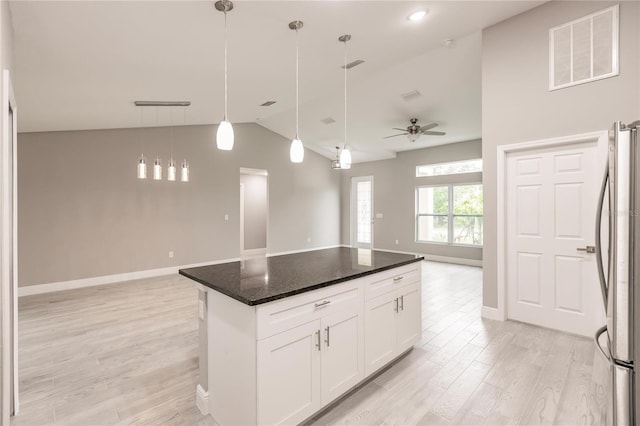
point(82, 64)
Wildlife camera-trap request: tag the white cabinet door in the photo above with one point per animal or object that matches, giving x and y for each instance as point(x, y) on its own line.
point(409, 318)
point(380, 331)
point(289, 375)
point(342, 356)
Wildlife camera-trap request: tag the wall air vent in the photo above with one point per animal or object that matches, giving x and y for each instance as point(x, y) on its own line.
point(268, 103)
point(584, 50)
point(328, 120)
point(411, 95)
point(352, 64)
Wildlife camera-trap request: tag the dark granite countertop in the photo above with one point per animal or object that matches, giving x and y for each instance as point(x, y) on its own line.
point(261, 280)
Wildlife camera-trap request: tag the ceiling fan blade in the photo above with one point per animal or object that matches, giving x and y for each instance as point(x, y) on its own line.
point(434, 133)
point(393, 136)
point(428, 127)
point(402, 130)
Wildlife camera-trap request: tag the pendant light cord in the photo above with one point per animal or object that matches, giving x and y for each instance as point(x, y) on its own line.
point(297, 81)
point(345, 94)
point(225, 66)
point(142, 131)
point(171, 117)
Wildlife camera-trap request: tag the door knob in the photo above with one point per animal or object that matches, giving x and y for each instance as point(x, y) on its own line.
point(588, 249)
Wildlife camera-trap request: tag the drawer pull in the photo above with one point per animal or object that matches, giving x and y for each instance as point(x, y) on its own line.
point(397, 279)
point(320, 305)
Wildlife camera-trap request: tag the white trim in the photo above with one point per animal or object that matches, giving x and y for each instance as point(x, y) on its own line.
point(600, 137)
point(492, 313)
point(241, 215)
point(202, 400)
point(281, 253)
point(111, 279)
point(442, 259)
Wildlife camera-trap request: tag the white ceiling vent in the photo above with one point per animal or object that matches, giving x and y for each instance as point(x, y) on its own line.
point(584, 50)
point(411, 95)
point(328, 120)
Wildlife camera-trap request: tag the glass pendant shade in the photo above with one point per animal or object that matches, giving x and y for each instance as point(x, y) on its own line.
point(157, 170)
point(142, 168)
point(345, 158)
point(224, 137)
point(296, 152)
point(185, 171)
point(171, 170)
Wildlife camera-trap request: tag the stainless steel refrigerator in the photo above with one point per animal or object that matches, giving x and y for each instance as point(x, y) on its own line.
point(618, 261)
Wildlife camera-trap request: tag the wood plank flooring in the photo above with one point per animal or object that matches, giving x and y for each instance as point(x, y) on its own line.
point(126, 354)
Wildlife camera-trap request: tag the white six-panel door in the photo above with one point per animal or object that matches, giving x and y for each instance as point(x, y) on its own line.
point(551, 202)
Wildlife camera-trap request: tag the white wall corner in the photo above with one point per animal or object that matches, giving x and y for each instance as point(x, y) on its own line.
point(202, 400)
point(492, 313)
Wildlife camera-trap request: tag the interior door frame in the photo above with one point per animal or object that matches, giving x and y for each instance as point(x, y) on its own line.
point(9, 259)
point(600, 137)
point(352, 212)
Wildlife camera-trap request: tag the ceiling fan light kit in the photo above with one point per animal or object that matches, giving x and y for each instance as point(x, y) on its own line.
point(413, 131)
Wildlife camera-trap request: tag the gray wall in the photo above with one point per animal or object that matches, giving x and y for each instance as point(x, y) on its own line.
point(255, 211)
point(83, 213)
point(517, 105)
point(394, 184)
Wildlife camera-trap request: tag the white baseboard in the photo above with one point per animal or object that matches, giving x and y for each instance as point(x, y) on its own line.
point(304, 250)
point(110, 279)
point(202, 400)
point(444, 259)
point(253, 252)
point(492, 313)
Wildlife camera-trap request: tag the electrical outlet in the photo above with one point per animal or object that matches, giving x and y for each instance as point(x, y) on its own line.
point(397, 242)
point(170, 254)
point(308, 239)
point(226, 217)
point(379, 216)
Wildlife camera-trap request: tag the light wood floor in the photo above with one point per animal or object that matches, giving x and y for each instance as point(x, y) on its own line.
point(127, 354)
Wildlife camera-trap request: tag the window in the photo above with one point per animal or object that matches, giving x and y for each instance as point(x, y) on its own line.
point(450, 214)
point(454, 168)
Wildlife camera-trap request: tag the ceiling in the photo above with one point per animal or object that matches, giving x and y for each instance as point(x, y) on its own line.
point(81, 65)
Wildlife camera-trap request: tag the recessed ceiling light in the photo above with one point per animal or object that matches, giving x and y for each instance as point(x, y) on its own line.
point(418, 15)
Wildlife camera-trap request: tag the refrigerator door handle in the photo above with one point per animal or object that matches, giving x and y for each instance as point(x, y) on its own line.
point(599, 333)
point(599, 264)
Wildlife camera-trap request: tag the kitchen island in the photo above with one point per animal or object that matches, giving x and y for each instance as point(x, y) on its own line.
point(287, 335)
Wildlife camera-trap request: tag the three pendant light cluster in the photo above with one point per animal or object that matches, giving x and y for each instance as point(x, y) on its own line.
point(157, 165)
point(225, 136)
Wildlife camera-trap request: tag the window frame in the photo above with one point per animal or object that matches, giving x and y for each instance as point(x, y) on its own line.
point(450, 215)
point(418, 175)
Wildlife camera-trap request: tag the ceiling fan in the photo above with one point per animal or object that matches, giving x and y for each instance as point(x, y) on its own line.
point(413, 131)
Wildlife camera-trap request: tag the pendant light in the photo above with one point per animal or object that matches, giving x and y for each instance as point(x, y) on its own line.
point(157, 169)
point(224, 136)
point(142, 162)
point(184, 176)
point(345, 155)
point(296, 152)
point(171, 169)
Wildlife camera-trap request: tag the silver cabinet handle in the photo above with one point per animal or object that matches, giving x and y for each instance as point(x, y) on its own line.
point(318, 340)
point(402, 303)
point(320, 305)
point(396, 279)
point(327, 340)
point(588, 249)
point(396, 308)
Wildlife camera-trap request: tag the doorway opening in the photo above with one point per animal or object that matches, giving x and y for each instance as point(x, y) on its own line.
point(362, 212)
point(254, 212)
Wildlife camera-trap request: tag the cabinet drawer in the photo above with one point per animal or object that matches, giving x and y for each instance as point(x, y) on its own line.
point(384, 282)
point(281, 315)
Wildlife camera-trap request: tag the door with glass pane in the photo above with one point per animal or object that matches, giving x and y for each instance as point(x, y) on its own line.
point(362, 212)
